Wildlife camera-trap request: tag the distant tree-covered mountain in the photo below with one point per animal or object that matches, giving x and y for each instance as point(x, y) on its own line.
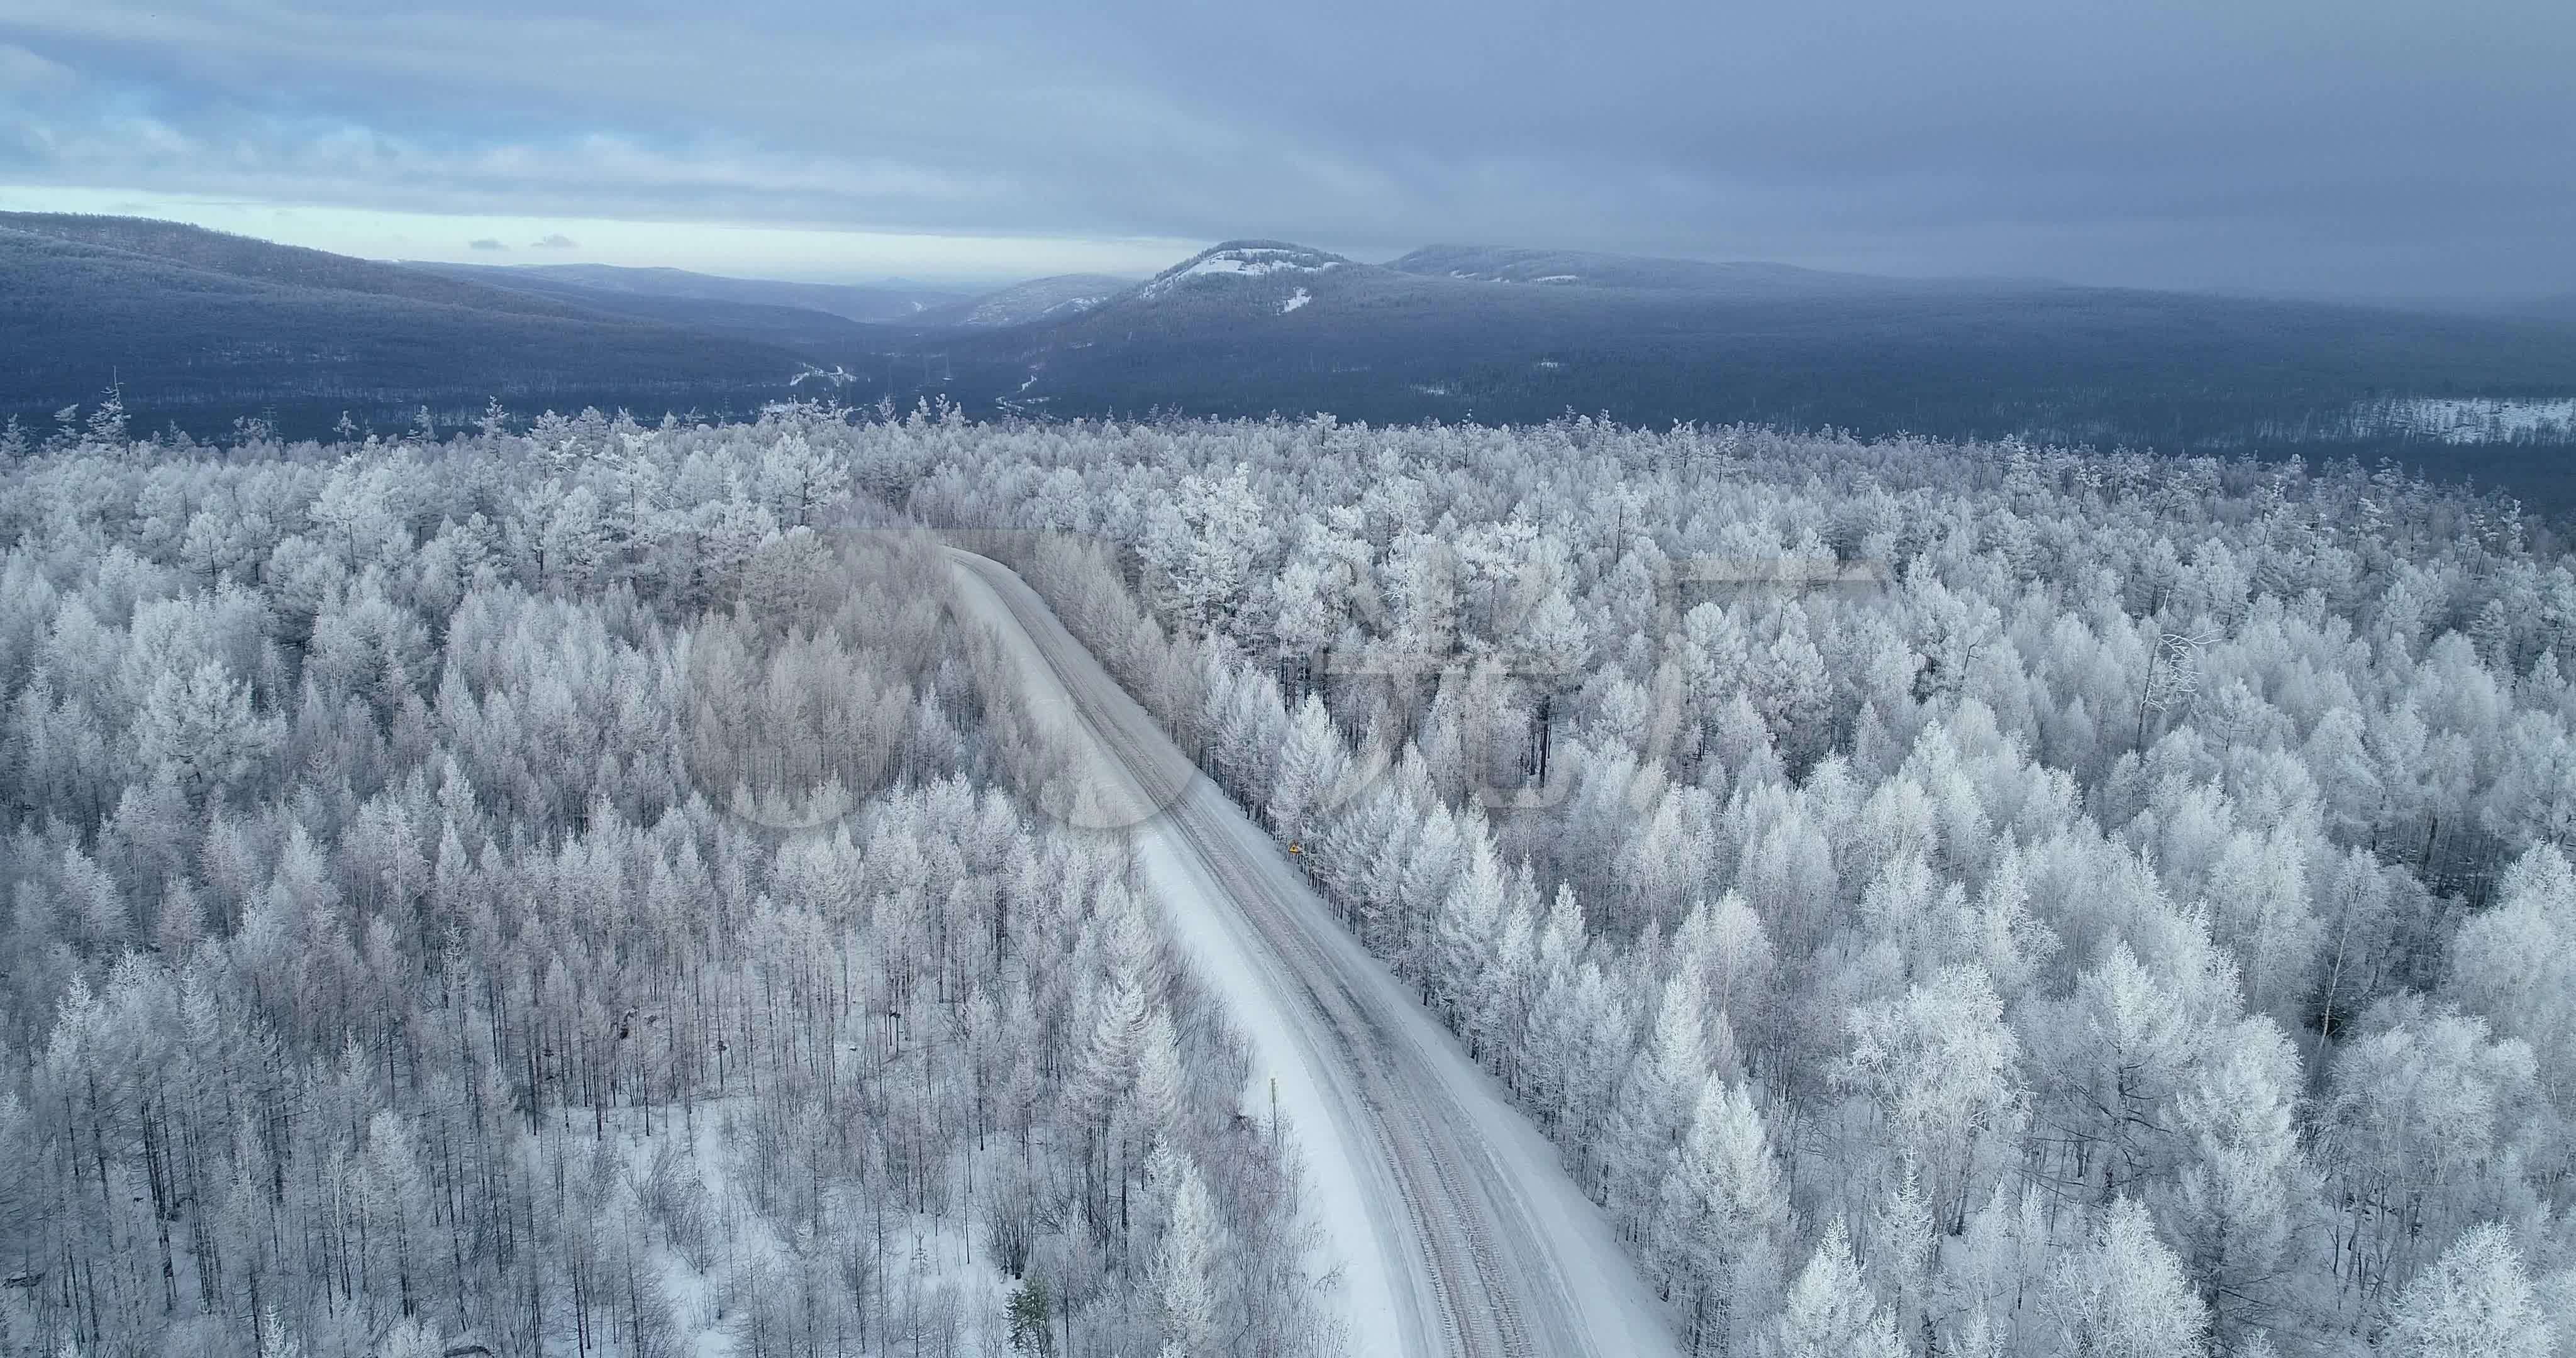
point(856, 302)
point(820, 337)
point(199, 326)
point(245, 257)
point(204, 326)
point(1039, 299)
point(1253, 327)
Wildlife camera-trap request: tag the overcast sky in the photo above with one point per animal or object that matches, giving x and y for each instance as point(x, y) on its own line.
point(2364, 147)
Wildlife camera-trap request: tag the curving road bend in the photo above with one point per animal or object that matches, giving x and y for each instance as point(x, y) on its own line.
point(1458, 1229)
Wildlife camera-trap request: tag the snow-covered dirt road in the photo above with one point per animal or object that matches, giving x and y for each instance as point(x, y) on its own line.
point(1457, 1228)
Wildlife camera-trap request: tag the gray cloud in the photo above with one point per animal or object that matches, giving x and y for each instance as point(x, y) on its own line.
point(25, 74)
point(2376, 146)
point(555, 241)
point(486, 243)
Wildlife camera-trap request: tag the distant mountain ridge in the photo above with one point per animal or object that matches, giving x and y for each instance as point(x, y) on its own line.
point(248, 257)
point(189, 320)
point(199, 323)
point(855, 302)
point(1253, 327)
point(1035, 300)
point(820, 336)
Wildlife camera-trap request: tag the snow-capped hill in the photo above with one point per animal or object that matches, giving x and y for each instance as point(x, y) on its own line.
point(1241, 259)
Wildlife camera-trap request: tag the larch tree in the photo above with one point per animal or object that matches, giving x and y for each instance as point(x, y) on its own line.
point(1312, 773)
point(1724, 1221)
point(1186, 1269)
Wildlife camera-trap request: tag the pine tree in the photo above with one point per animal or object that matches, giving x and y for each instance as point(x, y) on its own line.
point(1311, 772)
point(1107, 1066)
point(1161, 1082)
point(1185, 1270)
point(1031, 1332)
point(1656, 1103)
point(1471, 913)
point(1829, 1312)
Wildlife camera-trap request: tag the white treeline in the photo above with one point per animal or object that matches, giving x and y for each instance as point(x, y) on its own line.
point(574, 892)
point(1944, 900)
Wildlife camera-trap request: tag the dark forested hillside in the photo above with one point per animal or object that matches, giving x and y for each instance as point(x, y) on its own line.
point(855, 302)
point(201, 326)
point(2102, 366)
point(818, 336)
point(1051, 298)
point(245, 257)
point(205, 327)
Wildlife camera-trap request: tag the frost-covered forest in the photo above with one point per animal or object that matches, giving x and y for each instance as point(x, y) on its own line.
point(2032, 902)
point(566, 888)
point(563, 894)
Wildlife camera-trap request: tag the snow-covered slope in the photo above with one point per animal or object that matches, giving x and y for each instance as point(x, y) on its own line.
point(1241, 259)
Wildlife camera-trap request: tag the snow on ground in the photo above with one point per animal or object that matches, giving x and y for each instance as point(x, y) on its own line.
point(1286, 1065)
point(1456, 1224)
point(1252, 262)
point(935, 1261)
point(1297, 299)
point(1244, 262)
point(1559, 278)
point(1288, 1062)
point(2473, 419)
